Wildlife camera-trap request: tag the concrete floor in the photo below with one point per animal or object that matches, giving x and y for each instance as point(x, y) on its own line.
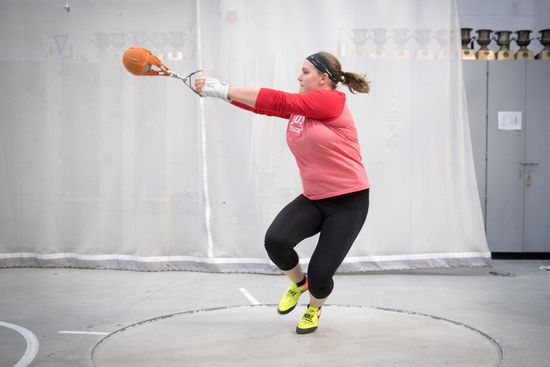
point(70, 311)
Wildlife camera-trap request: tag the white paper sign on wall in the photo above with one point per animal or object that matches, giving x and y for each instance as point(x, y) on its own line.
point(509, 120)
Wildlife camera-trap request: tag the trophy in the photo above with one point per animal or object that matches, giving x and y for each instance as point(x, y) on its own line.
point(177, 39)
point(523, 41)
point(359, 37)
point(379, 38)
point(401, 37)
point(483, 40)
point(544, 39)
point(64, 49)
point(139, 38)
point(159, 40)
point(503, 39)
point(118, 41)
point(422, 37)
point(102, 43)
point(444, 38)
point(467, 39)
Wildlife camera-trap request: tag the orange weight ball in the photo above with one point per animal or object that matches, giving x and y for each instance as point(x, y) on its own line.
point(140, 61)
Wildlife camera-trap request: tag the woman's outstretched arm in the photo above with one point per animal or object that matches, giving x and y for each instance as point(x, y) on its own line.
point(238, 96)
point(322, 104)
point(244, 95)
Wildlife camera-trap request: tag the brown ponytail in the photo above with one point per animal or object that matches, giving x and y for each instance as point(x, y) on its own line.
point(356, 83)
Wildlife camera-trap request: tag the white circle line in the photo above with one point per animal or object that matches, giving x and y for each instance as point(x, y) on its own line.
point(32, 344)
point(250, 297)
point(496, 344)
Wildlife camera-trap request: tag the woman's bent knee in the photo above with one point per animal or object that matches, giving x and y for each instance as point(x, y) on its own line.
point(320, 288)
point(280, 251)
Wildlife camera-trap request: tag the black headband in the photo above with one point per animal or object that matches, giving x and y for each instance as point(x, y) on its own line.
point(322, 65)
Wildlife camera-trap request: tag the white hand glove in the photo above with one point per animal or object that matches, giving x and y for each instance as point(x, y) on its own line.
point(214, 88)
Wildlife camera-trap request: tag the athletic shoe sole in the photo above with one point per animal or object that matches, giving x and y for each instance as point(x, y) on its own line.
point(287, 311)
point(305, 331)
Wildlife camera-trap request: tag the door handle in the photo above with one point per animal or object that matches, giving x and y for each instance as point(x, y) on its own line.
point(529, 163)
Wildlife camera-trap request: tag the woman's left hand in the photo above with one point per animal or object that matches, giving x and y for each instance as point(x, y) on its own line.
point(211, 87)
point(199, 83)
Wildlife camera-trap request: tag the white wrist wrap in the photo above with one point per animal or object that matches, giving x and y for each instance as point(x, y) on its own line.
point(214, 88)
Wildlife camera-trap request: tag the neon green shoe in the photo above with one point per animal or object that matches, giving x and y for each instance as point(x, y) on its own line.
point(290, 299)
point(309, 321)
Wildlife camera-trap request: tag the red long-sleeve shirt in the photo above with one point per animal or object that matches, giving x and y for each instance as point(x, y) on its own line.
point(322, 136)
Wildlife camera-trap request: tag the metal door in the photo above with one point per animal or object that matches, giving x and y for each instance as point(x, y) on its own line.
point(475, 84)
point(505, 151)
point(536, 165)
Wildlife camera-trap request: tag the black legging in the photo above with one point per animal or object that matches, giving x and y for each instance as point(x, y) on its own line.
point(339, 220)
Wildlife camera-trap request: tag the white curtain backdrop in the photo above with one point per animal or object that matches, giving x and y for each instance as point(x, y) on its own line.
point(103, 169)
